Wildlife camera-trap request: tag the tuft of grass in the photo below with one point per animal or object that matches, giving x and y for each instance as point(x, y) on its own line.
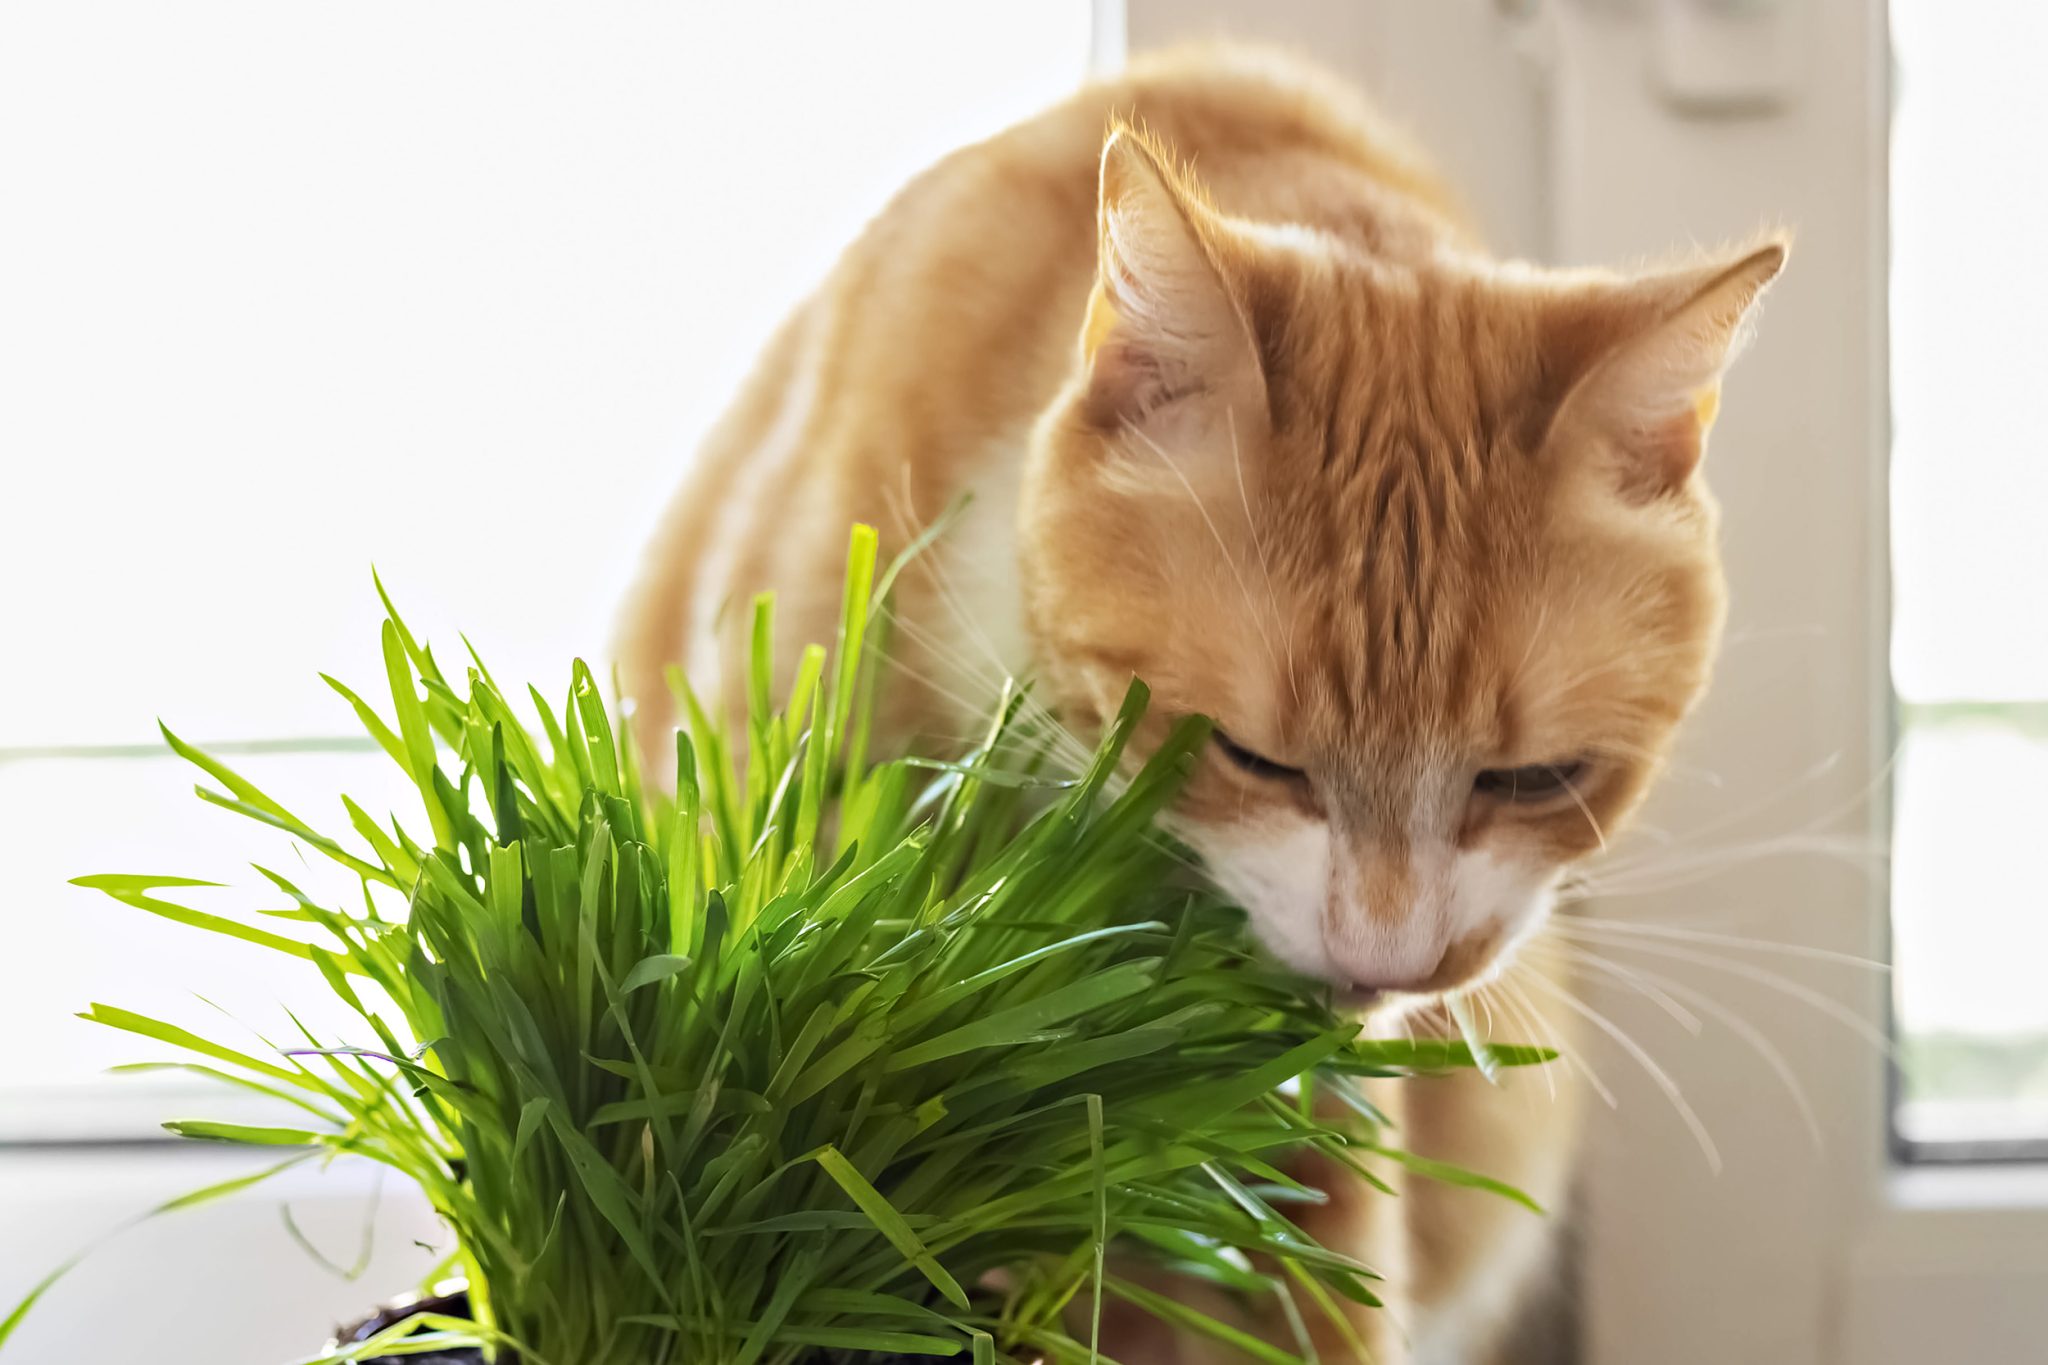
point(816, 1056)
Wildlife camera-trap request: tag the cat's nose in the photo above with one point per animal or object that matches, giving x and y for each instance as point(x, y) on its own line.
point(1383, 920)
point(1382, 959)
point(1450, 966)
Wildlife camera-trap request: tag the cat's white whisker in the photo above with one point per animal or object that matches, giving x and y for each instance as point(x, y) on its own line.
point(1073, 750)
point(1066, 746)
point(1529, 650)
point(1496, 990)
point(1684, 1017)
point(942, 652)
point(903, 667)
point(1688, 934)
point(1673, 866)
point(1584, 809)
point(1657, 1074)
point(1265, 564)
point(1776, 981)
point(1170, 841)
point(1542, 1032)
point(1636, 658)
point(1229, 559)
point(1783, 792)
point(1643, 979)
point(1643, 753)
point(1487, 994)
point(1548, 1038)
point(903, 506)
point(965, 705)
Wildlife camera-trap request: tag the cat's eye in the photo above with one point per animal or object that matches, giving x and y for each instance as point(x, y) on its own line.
point(1532, 782)
point(1251, 761)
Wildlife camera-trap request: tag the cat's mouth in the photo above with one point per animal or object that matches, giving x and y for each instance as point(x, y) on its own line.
point(1384, 1008)
point(1357, 999)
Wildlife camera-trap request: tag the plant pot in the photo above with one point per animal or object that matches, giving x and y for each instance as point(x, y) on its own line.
point(455, 1303)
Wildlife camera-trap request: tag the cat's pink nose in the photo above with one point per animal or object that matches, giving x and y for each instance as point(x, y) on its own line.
point(1449, 967)
point(1382, 919)
point(1383, 962)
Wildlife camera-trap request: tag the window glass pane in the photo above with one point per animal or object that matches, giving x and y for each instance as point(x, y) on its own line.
point(1970, 638)
point(1968, 290)
point(1971, 931)
point(449, 289)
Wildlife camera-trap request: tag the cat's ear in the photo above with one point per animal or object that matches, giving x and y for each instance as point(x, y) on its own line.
point(1163, 330)
point(1650, 391)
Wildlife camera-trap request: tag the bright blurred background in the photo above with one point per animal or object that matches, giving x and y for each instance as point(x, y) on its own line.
point(289, 291)
point(398, 287)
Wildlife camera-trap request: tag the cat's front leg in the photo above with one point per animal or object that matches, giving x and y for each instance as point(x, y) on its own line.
point(1132, 1336)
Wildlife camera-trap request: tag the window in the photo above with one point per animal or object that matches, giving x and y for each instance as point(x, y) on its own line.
point(305, 291)
point(1970, 641)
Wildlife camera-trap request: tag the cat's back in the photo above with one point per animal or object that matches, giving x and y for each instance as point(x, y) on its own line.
point(1273, 138)
point(915, 371)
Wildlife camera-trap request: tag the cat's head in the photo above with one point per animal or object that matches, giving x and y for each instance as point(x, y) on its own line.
point(1427, 539)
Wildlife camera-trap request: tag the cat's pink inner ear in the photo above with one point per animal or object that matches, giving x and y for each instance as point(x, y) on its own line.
point(1651, 397)
point(1162, 325)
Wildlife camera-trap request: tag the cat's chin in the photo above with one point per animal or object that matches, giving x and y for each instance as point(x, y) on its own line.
point(1380, 1010)
point(1409, 1014)
point(1360, 1002)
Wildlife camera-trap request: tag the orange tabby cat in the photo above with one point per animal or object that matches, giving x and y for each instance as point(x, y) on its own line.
point(1246, 412)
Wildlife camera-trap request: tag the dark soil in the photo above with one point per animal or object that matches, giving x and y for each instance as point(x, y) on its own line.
point(455, 1305)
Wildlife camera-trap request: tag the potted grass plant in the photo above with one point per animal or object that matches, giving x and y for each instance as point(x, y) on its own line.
point(815, 1056)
